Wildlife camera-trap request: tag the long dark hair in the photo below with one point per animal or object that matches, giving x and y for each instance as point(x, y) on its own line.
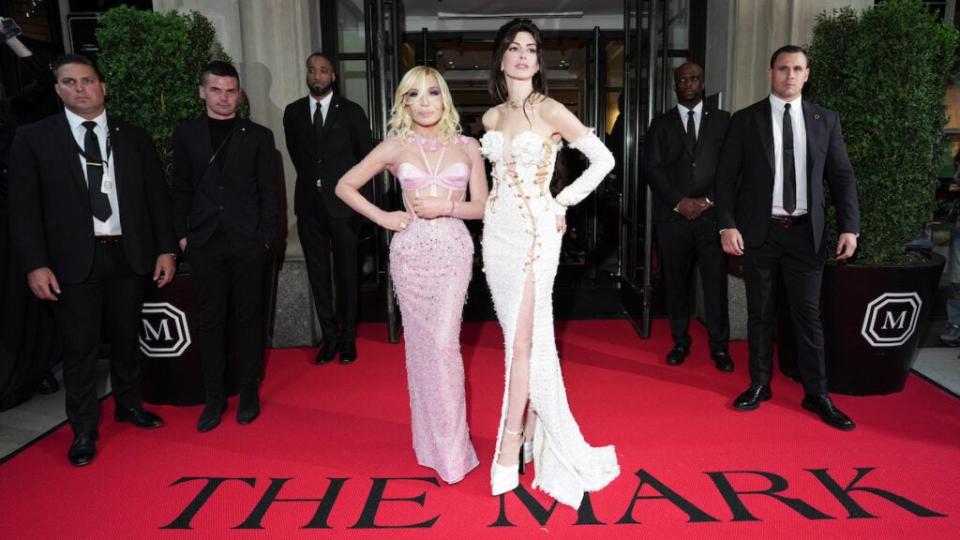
point(497, 85)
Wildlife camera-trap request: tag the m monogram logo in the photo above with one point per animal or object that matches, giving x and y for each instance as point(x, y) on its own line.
point(163, 330)
point(891, 319)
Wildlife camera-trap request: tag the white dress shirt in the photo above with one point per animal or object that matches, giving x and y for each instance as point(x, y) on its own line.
point(110, 227)
point(323, 103)
point(697, 115)
point(799, 154)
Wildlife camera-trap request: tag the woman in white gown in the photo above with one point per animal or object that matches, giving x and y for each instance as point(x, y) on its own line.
point(523, 228)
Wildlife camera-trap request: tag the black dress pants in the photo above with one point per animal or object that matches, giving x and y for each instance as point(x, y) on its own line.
point(683, 243)
point(786, 254)
point(228, 286)
point(320, 235)
point(110, 298)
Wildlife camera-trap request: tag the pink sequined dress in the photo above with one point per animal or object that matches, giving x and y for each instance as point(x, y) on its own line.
point(430, 263)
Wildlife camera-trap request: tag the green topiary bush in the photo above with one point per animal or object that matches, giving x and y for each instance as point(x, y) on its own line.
point(884, 71)
point(151, 62)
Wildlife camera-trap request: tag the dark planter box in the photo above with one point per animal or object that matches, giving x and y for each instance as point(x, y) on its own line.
point(169, 349)
point(871, 320)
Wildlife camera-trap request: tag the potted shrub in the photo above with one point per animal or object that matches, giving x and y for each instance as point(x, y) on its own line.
point(884, 71)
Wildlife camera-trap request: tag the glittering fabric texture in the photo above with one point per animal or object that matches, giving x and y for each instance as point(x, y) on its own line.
point(430, 263)
point(521, 242)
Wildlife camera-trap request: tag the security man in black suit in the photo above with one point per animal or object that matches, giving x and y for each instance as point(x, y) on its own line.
point(226, 217)
point(783, 149)
point(90, 217)
point(681, 151)
point(326, 136)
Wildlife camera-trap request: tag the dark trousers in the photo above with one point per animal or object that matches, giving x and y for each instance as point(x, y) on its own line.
point(683, 243)
point(319, 236)
point(787, 254)
point(228, 285)
point(109, 299)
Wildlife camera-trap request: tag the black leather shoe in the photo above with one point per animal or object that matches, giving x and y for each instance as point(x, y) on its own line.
point(348, 351)
point(722, 360)
point(48, 384)
point(83, 449)
point(823, 406)
point(327, 351)
point(210, 417)
point(249, 408)
point(138, 417)
point(676, 356)
point(751, 399)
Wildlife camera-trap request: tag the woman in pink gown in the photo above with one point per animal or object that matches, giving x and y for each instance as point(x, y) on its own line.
point(431, 256)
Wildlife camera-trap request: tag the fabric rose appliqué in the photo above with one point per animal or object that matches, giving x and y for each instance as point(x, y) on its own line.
point(528, 148)
point(491, 145)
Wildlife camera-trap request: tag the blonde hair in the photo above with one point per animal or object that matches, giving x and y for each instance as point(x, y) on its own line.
point(401, 123)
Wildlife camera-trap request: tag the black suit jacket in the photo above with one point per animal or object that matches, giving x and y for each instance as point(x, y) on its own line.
point(677, 169)
point(344, 141)
point(242, 197)
point(51, 220)
point(748, 157)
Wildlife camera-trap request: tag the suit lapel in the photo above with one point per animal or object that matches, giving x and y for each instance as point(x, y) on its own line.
point(64, 138)
point(118, 150)
point(816, 136)
point(206, 149)
point(764, 125)
point(235, 142)
point(705, 124)
point(331, 115)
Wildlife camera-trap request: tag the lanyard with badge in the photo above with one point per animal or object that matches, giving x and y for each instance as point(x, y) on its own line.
point(107, 184)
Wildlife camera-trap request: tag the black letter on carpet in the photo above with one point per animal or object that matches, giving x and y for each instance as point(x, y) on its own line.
point(183, 520)
point(369, 514)
point(319, 520)
point(585, 515)
point(857, 511)
point(694, 514)
point(777, 484)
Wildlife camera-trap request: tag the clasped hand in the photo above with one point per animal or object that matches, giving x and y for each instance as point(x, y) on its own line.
point(691, 208)
point(431, 207)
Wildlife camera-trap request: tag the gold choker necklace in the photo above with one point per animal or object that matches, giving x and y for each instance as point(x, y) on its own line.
point(517, 103)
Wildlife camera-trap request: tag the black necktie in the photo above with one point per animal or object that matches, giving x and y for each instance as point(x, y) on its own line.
point(789, 170)
point(691, 129)
point(318, 117)
point(99, 203)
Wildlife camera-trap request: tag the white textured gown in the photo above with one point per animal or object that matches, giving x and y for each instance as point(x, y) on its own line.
point(520, 238)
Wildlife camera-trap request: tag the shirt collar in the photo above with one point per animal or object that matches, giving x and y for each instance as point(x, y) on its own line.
point(777, 103)
point(697, 109)
point(325, 102)
point(75, 120)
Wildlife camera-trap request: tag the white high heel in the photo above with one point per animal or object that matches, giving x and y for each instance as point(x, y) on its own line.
point(528, 451)
point(505, 478)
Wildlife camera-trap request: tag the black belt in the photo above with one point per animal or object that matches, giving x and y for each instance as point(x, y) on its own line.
point(109, 239)
point(790, 221)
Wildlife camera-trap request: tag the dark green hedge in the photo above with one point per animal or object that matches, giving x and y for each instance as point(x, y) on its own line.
point(884, 71)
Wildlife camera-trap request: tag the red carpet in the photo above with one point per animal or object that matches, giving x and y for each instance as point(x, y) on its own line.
point(341, 434)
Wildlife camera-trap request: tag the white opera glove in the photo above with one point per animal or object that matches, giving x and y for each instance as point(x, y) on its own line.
point(601, 163)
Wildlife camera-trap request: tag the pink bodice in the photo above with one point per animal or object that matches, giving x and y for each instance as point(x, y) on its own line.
point(455, 177)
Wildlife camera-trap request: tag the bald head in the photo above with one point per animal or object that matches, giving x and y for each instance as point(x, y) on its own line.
point(688, 84)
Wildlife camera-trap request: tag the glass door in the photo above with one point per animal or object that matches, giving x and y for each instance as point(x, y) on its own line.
point(384, 31)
